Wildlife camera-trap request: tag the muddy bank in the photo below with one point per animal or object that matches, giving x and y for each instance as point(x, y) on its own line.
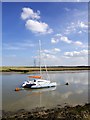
point(58, 113)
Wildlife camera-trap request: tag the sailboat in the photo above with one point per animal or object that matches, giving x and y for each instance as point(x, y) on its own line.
point(38, 81)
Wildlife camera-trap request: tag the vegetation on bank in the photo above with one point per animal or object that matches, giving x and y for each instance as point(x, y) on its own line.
point(27, 69)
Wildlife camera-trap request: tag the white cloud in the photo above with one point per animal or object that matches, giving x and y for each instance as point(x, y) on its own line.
point(81, 53)
point(78, 27)
point(48, 56)
point(38, 27)
point(78, 43)
point(29, 13)
point(80, 32)
point(51, 51)
point(65, 39)
point(54, 40)
point(33, 22)
point(82, 24)
point(58, 37)
point(71, 28)
point(56, 50)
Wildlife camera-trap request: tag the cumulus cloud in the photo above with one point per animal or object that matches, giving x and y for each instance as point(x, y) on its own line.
point(59, 37)
point(56, 49)
point(54, 40)
point(38, 27)
point(78, 27)
point(51, 51)
point(48, 56)
point(81, 53)
point(65, 39)
point(80, 32)
point(29, 13)
point(82, 24)
point(63, 60)
point(78, 43)
point(33, 22)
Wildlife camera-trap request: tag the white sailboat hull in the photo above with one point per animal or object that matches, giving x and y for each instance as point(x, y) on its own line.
point(44, 86)
point(38, 83)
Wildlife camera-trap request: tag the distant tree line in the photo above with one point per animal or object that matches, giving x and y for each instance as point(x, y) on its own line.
point(57, 66)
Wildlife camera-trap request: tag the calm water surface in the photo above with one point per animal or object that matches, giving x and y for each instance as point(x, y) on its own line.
point(75, 93)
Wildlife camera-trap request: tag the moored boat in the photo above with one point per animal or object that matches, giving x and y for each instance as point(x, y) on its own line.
point(38, 83)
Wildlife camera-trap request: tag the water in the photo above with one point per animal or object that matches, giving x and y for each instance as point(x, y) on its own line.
point(75, 93)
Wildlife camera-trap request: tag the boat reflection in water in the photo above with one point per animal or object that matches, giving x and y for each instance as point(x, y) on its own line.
point(40, 90)
point(39, 94)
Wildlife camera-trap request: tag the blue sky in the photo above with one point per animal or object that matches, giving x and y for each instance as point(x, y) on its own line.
point(45, 0)
point(61, 27)
point(1, 34)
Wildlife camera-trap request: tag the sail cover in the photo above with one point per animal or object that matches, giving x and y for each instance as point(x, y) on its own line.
point(35, 77)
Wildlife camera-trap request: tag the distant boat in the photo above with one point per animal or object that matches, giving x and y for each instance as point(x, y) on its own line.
point(37, 81)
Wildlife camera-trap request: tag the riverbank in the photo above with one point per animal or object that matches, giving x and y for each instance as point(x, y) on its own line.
point(49, 68)
point(58, 113)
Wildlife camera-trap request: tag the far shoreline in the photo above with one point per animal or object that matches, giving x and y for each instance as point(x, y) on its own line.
point(37, 72)
point(34, 69)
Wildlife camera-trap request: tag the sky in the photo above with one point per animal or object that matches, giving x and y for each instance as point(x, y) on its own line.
point(45, 0)
point(61, 27)
point(1, 34)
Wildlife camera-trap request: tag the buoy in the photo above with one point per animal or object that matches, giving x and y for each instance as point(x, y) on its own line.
point(67, 83)
point(17, 89)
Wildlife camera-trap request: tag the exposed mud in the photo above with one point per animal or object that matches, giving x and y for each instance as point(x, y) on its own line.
point(58, 113)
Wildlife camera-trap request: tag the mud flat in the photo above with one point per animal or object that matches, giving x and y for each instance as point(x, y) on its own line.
point(58, 113)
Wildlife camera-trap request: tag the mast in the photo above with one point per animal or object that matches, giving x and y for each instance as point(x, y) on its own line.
point(40, 56)
point(34, 62)
point(48, 77)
